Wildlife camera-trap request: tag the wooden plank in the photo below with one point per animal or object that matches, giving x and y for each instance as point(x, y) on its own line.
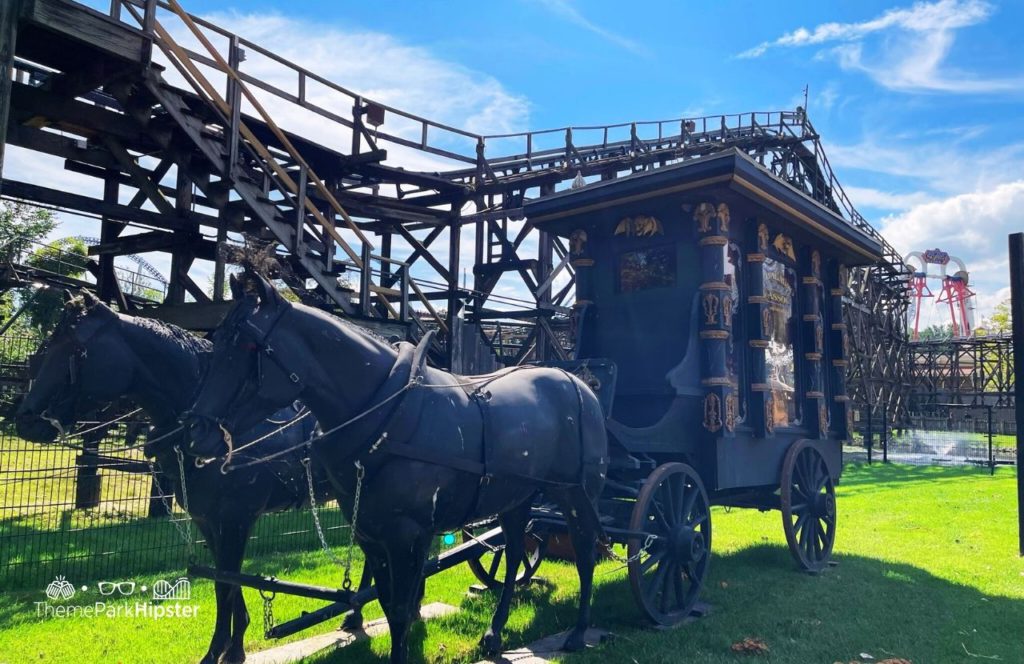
point(300, 650)
point(62, 199)
point(88, 26)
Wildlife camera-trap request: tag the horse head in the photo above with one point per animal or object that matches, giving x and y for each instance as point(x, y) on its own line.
point(78, 362)
point(247, 378)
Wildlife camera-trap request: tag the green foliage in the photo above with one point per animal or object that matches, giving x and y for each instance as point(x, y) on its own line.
point(20, 226)
point(934, 332)
point(67, 257)
point(1001, 319)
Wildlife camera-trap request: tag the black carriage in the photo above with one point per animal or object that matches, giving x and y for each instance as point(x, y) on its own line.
point(709, 319)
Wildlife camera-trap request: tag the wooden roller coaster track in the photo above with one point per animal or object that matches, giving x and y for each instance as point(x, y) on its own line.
point(182, 141)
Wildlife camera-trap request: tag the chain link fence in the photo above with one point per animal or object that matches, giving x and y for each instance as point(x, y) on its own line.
point(941, 434)
point(87, 509)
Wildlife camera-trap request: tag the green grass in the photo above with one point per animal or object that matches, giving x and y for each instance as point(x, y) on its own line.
point(928, 566)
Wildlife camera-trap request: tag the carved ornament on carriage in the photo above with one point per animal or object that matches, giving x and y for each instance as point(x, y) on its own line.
point(711, 304)
point(844, 277)
point(702, 215)
point(584, 373)
point(762, 238)
point(766, 321)
point(769, 414)
point(722, 212)
point(819, 338)
point(731, 412)
point(712, 412)
point(577, 242)
point(727, 311)
point(816, 264)
point(784, 245)
point(639, 226)
point(823, 419)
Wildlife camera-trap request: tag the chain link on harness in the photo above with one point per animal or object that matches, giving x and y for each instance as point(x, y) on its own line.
point(268, 611)
point(651, 539)
point(185, 530)
point(346, 584)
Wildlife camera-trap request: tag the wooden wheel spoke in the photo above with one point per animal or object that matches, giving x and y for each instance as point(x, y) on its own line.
point(495, 562)
point(664, 586)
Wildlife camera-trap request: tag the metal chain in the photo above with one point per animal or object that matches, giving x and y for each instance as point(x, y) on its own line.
point(360, 473)
point(312, 508)
point(651, 539)
point(186, 531)
point(268, 612)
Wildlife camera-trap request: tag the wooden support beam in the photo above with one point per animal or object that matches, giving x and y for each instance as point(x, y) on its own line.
point(77, 203)
point(154, 241)
point(9, 13)
point(140, 177)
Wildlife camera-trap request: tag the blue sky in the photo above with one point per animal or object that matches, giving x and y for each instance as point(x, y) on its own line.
point(919, 104)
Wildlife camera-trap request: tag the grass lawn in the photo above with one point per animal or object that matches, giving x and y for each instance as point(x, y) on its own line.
point(928, 571)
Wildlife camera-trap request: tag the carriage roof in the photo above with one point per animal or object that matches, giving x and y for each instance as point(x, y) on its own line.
point(730, 176)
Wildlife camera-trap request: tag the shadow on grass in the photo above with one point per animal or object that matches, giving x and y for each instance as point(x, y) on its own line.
point(861, 605)
point(31, 555)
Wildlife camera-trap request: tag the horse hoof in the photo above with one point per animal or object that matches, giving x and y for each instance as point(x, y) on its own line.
point(491, 644)
point(575, 642)
point(233, 655)
point(353, 622)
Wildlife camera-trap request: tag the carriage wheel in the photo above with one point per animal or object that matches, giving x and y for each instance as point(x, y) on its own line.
point(489, 568)
point(808, 503)
point(668, 576)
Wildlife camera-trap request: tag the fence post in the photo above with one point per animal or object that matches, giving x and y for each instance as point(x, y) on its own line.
point(991, 458)
point(885, 433)
point(868, 441)
point(1017, 311)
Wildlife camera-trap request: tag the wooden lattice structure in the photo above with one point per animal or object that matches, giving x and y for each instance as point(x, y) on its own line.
point(181, 142)
point(973, 372)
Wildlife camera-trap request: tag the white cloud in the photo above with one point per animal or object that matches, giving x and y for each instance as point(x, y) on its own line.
point(866, 197)
point(973, 226)
point(914, 59)
point(567, 10)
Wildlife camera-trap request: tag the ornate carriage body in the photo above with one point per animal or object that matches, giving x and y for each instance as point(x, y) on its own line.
point(710, 305)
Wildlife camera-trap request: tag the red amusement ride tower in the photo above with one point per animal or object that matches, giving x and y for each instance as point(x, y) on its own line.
point(955, 292)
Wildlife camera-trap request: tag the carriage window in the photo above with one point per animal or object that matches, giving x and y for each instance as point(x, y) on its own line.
point(734, 354)
point(780, 290)
point(642, 269)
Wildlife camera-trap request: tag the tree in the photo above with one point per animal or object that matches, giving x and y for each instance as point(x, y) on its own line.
point(67, 257)
point(936, 332)
point(20, 227)
point(1001, 319)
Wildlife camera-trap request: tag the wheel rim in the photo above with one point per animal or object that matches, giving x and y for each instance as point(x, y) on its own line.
point(667, 577)
point(808, 499)
point(489, 568)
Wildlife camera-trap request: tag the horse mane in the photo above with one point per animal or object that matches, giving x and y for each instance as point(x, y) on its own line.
point(172, 334)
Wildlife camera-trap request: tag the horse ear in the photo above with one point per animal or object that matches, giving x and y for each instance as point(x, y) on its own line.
point(268, 294)
point(66, 295)
point(89, 299)
point(237, 289)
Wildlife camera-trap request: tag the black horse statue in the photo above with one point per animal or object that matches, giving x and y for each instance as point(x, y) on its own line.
point(98, 355)
point(423, 451)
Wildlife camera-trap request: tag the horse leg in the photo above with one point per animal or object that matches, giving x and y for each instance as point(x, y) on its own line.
point(354, 620)
point(222, 624)
point(584, 540)
point(513, 525)
point(232, 547)
point(398, 575)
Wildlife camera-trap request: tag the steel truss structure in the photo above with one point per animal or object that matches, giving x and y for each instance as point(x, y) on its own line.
point(182, 142)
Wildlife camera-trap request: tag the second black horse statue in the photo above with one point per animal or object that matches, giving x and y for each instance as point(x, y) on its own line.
point(98, 355)
point(424, 451)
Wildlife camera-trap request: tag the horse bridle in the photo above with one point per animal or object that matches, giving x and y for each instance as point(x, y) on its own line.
point(78, 353)
point(260, 343)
